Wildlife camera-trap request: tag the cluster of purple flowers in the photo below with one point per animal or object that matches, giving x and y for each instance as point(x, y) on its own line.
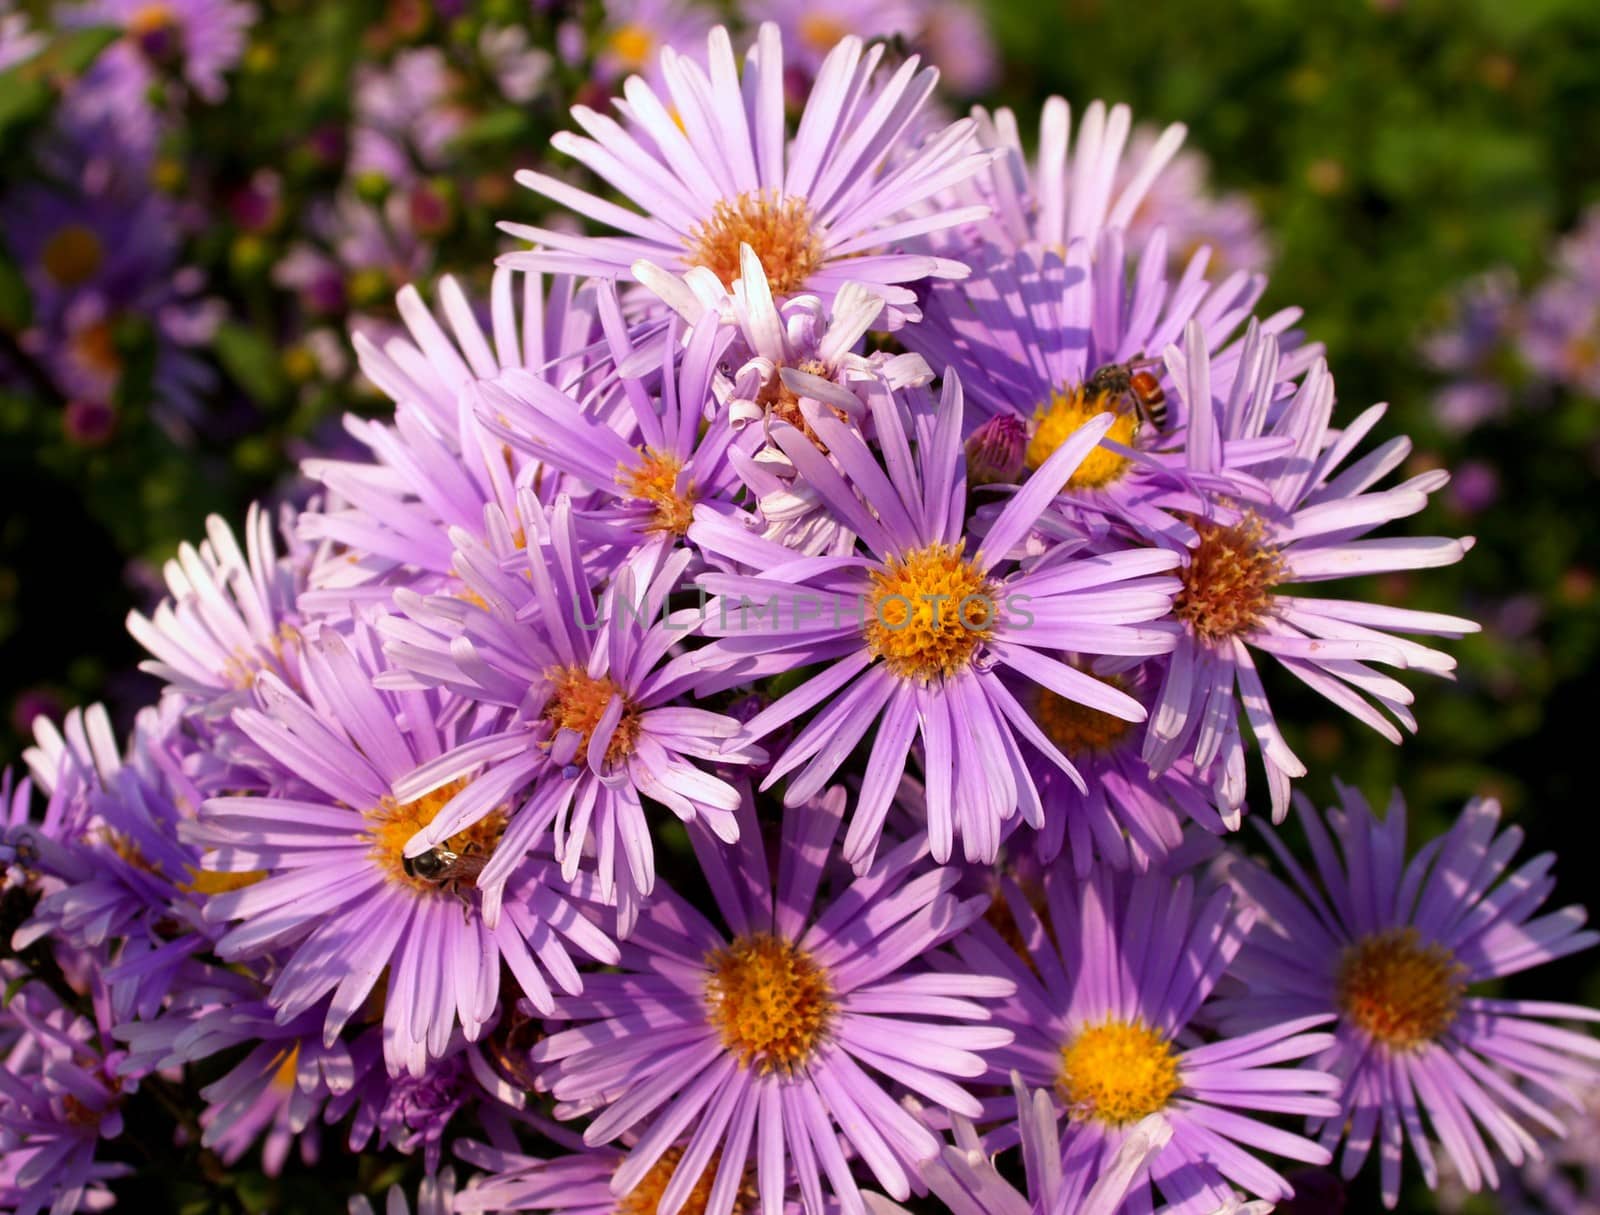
point(761, 727)
point(1504, 348)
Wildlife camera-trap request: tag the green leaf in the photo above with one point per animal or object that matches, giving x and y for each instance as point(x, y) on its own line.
point(252, 362)
point(16, 301)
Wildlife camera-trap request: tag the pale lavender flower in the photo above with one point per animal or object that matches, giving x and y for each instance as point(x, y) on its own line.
point(1473, 349)
point(757, 1044)
point(206, 38)
point(634, 32)
point(1391, 946)
point(812, 28)
point(817, 209)
point(336, 892)
point(1561, 336)
point(405, 118)
point(1310, 525)
point(1109, 988)
point(916, 626)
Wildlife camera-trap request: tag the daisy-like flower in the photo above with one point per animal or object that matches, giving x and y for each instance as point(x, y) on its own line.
point(1391, 946)
point(759, 1044)
point(1310, 524)
point(714, 164)
point(786, 353)
point(232, 613)
point(1108, 991)
point(405, 116)
point(275, 1094)
point(635, 32)
point(1072, 190)
point(595, 723)
point(643, 446)
point(963, 1176)
point(436, 1195)
point(436, 467)
point(334, 888)
point(205, 37)
point(915, 631)
point(60, 1095)
point(1561, 336)
point(1126, 817)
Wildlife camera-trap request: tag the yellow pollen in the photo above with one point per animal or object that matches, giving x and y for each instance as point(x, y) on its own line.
point(928, 611)
point(578, 701)
point(1117, 1072)
point(780, 232)
point(821, 32)
point(782, 404)
point(1401, 992)
point(391, 826)
point(1077, 729)
point(1069, 412)
point(129, 851)
point(632, 45)
point(283, 1078)
point(655, 480)
point(1227, 585)
point(73, 255)
point(645, 1198)
point(769, 1000)
point(210, 881)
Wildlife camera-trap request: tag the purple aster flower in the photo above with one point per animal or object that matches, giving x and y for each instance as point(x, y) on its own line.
point(812, 30)
point(59, 1097)
point(206, 37)
point(1561, 337)
point(336, 890)
point(106, 127)
point(814, 209)
point(436, 1195)
point(595, 723)
point(641, 444)
point(275, 1093)
point(1311, 525)
point(963, 1176)
point(1126, 816)
point(1072, 190)
point(786, 353)
point(1109, 989)
point(1473, 350)
point(1035, 338)
point(634, 32)
point(231, 615)
point(759, 1044)
point(956, 37)
point(436, 467)
point(915, 630)
point(1391, 946)
point(1182, 203)
point(405, 116)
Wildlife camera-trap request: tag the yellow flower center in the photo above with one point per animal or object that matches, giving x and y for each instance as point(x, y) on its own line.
point(821, 32)
point(1077, 729)
point(73, 255)
point(1401, 992)
point(1227, 585)
point(645, 1198)
point(209, 881)
point(1068, 413)
point(151, 19)
point(391, 825)
point(1117, 1072)
point(929, 610)
point(769, 1000)
point(780, 232)
point(632, 45)
point(655, 480)
point(782, 403)
point(579, 701)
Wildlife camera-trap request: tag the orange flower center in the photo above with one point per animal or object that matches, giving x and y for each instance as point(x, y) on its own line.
point(579, 701)
point(655, 480)
point(1117, 1072)
point(770, 1001)
point(779, 231)
point(73, 255)
point(645, 1198)
point(1227, 585)
point(632, 45)
point(929, 610)
point(391, 826)
point(1077, 729)
point(1400, 991)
